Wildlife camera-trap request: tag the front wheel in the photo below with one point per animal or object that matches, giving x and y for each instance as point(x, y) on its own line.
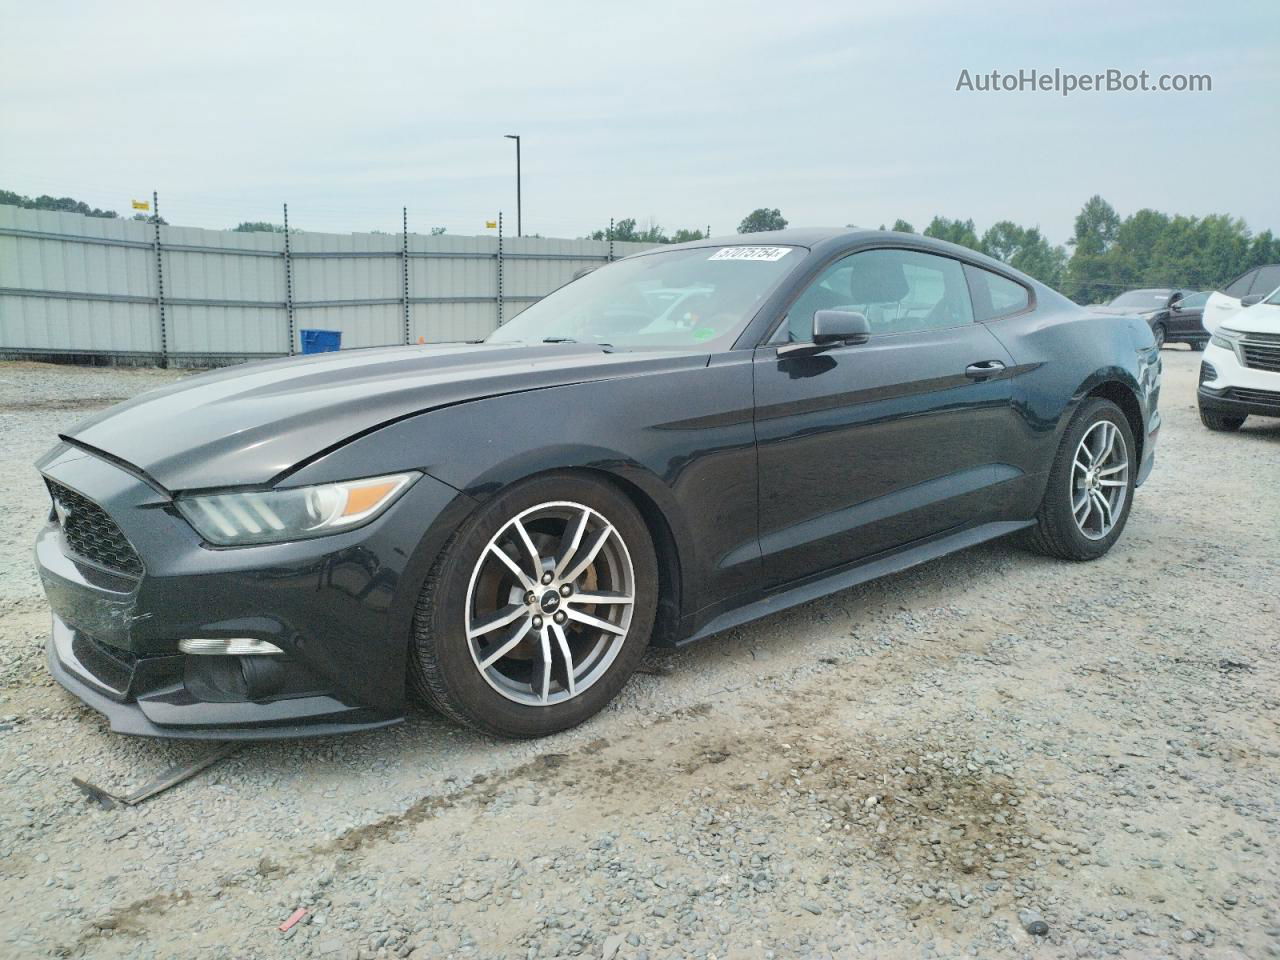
point(1086, 504)
point(539, 609)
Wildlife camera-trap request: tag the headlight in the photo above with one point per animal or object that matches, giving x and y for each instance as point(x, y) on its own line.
point(1224, 338)
point(269, 516)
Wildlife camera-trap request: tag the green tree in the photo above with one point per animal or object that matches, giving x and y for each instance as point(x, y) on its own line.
point(624, 230)
point(902, 226)
point(1036, 257)
point(685, 235)
point(961, 232)
point(61, 204)
point(763, 219)
point(1096, 227)
point(1002, 240)
point(1090, 276)
point(257, 226)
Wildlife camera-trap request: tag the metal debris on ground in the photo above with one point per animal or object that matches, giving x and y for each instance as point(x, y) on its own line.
point(170, 778)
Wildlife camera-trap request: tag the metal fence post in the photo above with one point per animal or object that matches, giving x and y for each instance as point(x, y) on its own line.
point(164, 328)
point(288, 281)
point(499, 268)
point(404, 263)
point(611, 239)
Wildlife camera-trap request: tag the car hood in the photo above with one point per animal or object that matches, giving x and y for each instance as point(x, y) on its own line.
point(1260, 318)
point(251, 424)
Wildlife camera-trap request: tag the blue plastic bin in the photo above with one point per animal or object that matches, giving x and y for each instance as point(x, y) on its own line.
point(321, 341)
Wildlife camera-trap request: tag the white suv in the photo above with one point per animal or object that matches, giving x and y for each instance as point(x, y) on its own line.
point(1240, 373)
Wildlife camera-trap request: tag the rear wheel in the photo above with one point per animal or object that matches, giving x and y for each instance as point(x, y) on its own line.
point(1086, 504)
point(1220, 422)
point(539, 609)
point(1198, 345)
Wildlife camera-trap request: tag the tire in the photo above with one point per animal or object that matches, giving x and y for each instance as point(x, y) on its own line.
point(1161, 335)
point(1057, 532)
point(1198, 346)
point(1219, 422)
point(527, 693)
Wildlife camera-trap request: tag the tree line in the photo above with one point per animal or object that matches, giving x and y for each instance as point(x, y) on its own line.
point(65, 205)
point(1107, 254)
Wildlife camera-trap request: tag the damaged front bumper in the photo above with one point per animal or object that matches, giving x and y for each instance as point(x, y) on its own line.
point(338, 608)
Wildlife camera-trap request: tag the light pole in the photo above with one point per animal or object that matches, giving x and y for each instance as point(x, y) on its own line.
point(516, 138)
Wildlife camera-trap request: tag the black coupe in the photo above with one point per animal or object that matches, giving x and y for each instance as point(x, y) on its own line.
point(666, 447)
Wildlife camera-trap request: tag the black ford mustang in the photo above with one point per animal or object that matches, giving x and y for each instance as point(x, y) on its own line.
point(666, 447)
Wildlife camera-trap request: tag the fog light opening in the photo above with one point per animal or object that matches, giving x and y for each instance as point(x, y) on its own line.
point(235, 647)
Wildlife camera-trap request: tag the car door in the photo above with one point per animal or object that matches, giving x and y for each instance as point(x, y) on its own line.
point(1225, 303)
point(1188, 313)
point(863, 448)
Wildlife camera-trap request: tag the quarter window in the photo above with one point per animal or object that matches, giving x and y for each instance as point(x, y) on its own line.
point(899, 291)
point(995, 296)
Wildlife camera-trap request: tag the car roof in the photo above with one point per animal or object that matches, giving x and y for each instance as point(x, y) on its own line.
point(792, 236)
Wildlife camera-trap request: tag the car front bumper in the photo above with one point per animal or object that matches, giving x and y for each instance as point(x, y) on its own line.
point(339, 607)
point(1229, 387)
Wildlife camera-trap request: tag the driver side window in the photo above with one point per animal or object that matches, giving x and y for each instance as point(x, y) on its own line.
point(899, 291)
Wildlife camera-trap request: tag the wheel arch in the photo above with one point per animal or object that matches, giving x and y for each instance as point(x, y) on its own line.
point(670, 583)
point(645, 492)
point(1126, 398)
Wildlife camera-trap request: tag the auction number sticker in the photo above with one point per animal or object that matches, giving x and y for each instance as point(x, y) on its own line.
point(750, 253)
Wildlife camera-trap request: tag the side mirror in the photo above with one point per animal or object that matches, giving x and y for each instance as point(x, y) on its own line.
point(831, 328)
point(840, 326)
point(1251, 299)
point(1175, 303)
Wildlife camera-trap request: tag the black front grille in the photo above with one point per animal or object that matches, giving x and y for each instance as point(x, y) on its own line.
point(91, 534)
point(1261, 351)
point(1268, 398)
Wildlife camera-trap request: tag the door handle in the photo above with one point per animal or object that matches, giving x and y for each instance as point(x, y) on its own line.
point(983, 370)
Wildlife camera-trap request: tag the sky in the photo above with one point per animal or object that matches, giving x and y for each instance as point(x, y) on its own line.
point(687, 114)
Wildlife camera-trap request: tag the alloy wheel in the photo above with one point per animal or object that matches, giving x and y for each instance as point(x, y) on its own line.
point(1099, 479)
point(549, 603)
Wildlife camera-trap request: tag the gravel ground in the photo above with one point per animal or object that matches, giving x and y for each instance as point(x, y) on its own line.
point(937, 764)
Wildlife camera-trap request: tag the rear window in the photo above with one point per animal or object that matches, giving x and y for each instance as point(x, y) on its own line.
point(993, 295)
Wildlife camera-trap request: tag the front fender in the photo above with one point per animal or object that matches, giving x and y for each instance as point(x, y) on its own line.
point(683, 437)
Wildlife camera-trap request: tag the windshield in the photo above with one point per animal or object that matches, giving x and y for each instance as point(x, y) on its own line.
point(1150, 299)
point(677, 298)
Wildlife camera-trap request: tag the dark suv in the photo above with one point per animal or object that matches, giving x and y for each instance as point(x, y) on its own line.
point(1175, 316)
